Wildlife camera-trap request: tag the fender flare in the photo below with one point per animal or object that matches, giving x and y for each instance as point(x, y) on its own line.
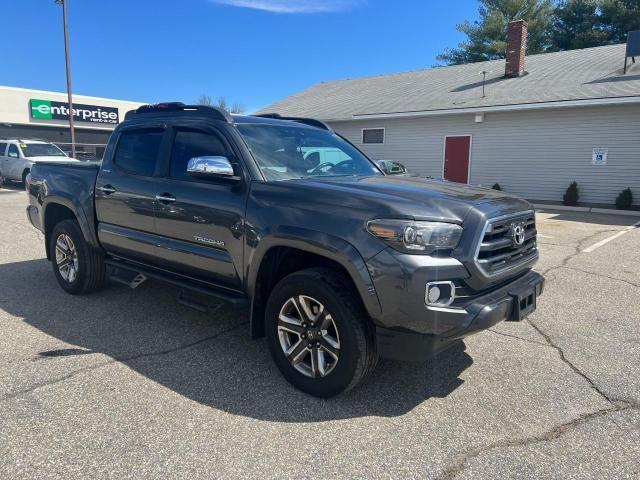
point(318, 243)
point(66, 201)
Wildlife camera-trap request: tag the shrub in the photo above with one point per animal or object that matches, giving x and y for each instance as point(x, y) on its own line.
point(624, 200)
point(496, 186)
point(572, 195)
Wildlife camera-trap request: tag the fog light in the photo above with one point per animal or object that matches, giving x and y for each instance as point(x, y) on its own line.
point(440, 294)
point(434, 295)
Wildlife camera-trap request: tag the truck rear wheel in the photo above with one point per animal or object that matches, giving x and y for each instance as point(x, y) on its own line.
point(318, 332)
point(77, 267)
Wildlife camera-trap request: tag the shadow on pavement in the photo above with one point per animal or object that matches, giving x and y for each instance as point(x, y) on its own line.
point(210, 359)
point(591, 217)
point(10, 187)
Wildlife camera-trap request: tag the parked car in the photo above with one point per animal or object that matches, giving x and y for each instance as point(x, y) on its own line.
point(337, 262)
point(17, 157)
point(85, 156)
point(391, 167)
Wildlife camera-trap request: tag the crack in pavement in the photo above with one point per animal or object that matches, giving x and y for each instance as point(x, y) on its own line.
point(617, 405)
point(577, 250)
point(460, 461)
point(564, 262)
point(602, 275)
point(113, 360)
point(546, 345)
point(566, 361)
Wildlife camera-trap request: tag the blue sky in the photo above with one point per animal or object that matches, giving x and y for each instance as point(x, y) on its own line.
point(252, 51)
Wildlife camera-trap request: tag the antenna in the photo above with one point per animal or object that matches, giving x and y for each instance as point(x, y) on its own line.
point(484, 80)
point(633, 48)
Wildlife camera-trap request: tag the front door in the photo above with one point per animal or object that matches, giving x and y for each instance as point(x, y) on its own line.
point(14, 164)
point(3, 159)
point(456, 158)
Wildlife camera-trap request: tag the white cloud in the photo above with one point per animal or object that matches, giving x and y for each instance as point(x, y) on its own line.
point(294, 6)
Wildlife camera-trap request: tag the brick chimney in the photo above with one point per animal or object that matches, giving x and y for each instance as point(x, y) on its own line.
point(516, 48)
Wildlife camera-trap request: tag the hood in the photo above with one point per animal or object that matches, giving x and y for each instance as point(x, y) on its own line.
point(52, 158)
point(422, 198)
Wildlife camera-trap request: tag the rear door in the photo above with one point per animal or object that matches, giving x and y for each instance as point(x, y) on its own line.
point(456, 158)
point(200, 222)
point(125, 193)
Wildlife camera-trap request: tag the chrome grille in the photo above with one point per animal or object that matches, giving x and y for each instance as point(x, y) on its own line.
point(498, 250)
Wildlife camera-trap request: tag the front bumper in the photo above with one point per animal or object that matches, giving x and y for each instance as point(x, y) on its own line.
point(484, 312)
point(33, 216)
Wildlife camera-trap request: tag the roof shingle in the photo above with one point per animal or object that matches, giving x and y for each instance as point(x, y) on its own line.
point(592, 73)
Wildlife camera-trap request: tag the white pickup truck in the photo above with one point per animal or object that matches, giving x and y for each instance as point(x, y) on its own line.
point(17, 156)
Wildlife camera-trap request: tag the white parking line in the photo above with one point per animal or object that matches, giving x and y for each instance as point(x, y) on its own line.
point(609, 239)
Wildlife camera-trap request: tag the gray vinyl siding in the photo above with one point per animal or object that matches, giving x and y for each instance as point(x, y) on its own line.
point(535, 153)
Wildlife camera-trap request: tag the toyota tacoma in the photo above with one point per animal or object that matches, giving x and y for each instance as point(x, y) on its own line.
point(338, 263)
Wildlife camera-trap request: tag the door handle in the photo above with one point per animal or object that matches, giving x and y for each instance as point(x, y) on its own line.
point(107, 189)
point(166, 198)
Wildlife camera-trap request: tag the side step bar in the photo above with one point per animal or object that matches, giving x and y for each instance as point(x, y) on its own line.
point(136, 274)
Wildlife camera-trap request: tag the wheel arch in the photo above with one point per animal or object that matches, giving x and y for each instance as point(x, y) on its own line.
point(293, 249)
point(58, 208)
point(25, 172)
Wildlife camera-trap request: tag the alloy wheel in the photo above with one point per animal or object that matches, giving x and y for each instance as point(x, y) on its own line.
point(66, 258)
point(308, 336)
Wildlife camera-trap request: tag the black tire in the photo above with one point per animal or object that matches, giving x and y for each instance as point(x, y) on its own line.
point(24, 177)
point(357, 347)
point(90, 268)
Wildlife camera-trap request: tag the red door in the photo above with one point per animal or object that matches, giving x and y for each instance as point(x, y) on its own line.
point(456, 159)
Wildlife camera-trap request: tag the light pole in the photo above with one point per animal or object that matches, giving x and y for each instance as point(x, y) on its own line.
point(68, 62)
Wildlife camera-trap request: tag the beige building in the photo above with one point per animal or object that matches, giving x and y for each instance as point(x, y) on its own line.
point(532, 124)
point(39, 114)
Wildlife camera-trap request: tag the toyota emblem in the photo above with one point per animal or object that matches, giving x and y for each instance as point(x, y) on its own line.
point(517, 233)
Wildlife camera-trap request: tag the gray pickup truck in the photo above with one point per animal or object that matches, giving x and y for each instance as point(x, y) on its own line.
point(338, 262)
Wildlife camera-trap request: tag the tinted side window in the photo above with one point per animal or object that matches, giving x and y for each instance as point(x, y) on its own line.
point(13, 150)
point(138, 150)
point(190, 144)
point(3, 149)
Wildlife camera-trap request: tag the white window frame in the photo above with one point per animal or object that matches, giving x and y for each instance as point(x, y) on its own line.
point(384, 135)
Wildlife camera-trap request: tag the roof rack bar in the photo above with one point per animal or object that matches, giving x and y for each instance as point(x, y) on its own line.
point(307, 121)
point(214, 112)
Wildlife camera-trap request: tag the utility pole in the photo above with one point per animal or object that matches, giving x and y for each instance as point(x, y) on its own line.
point(68, 63)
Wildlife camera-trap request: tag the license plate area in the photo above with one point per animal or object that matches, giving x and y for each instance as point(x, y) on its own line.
point(524, 302)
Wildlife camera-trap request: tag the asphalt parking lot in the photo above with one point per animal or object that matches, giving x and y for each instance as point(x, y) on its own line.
point(131, 384)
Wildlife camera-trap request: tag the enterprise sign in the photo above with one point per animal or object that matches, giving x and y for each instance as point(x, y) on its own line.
point(51, 110)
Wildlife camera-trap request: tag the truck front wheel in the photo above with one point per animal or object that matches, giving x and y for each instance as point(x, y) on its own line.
point(77, 267)
point(318, 332)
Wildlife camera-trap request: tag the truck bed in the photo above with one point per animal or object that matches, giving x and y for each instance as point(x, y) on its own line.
point(71, 184)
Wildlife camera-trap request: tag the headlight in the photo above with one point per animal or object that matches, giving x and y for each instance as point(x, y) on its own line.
point(416, 237)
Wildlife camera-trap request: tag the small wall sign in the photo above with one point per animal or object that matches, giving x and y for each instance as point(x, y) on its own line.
point(600, 156)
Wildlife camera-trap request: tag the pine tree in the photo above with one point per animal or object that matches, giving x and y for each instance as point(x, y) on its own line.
point(620, 17)
point(486, 37)
point(577, 24)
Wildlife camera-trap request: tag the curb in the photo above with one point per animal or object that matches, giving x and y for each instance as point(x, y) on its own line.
point(609, 211)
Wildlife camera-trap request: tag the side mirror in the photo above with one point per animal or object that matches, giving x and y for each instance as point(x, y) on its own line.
point(211, 167)
point(390, 167)
point(13, 154)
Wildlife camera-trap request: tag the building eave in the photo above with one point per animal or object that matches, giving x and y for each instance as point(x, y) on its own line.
point(497, 108)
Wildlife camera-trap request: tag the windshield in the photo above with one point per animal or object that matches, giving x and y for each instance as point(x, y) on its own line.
point(41, 150)
point(285, 152)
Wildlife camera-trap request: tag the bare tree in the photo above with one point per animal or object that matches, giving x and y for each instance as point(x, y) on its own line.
point(237, 108)
point(221, 102)
point(205, 100)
